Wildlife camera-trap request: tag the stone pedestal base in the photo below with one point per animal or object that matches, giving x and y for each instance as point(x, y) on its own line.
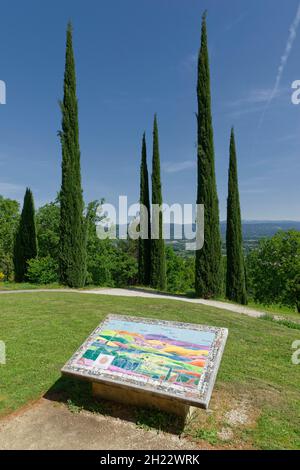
point(141, 398)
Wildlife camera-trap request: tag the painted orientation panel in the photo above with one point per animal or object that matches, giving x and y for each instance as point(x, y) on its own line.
point(178, 360)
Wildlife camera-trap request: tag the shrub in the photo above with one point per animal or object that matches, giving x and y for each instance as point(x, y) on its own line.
point(124, 269)
point(180, 272)
point(100, 260)
point(273, 270)
point(42, 270)
point(1, 276)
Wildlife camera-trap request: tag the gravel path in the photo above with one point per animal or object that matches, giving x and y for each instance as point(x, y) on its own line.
point(140, 293)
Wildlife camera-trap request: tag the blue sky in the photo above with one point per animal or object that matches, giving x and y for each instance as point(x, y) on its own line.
point(138, 57)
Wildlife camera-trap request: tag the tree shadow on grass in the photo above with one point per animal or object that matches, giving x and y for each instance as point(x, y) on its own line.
point(77, 395)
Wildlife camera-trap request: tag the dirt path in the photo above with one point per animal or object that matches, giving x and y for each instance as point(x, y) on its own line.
point(50, 425)
point(139, 293)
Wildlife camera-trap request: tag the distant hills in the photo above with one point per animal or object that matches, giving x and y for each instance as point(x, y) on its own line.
point(253, 230)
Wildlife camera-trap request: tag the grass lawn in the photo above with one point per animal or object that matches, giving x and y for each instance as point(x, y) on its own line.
point(257, 380)
point(282, 310)
point(277, 309)
point(7, 285)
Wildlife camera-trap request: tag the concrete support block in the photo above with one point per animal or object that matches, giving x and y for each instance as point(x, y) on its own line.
point(142, 398)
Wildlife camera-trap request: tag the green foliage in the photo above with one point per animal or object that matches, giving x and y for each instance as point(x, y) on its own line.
point(73, 408)
point(124, 267)
point(100, 257)
point(235, 276)
point(42, 270)
point(223, 269)
point(9, 219)
point(273, 270)
point(78, 395)
point(99, 252)
point(180, 272)
point(47, 225)
point(208, 259)
point(150, 419)
point(144, 252)
point(281, 321)
point(72, 250)
point(109, 263)
point(25, 247)
point(158, 259)
point(209, 435)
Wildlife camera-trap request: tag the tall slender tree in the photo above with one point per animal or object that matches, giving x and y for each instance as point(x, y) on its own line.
point(158, 258)
point(208, 259)
point(72, 255)
point(145, 215)
point(235, 275)
point(25, 247)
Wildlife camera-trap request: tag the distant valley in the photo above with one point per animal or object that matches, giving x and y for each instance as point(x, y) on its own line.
point(253, 231)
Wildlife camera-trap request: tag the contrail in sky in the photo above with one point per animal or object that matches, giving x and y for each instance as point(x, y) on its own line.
point(283, 61)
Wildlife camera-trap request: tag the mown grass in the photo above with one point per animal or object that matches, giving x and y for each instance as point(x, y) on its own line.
point(7, 285)
point(275, 308)
point(281, 321)
point(42, 330)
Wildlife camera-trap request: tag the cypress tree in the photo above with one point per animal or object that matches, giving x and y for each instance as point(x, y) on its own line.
point(158, 259)
point(208, 259)
point(144, 243)
point(235, 275)
point(72, 254)
point(25, 247)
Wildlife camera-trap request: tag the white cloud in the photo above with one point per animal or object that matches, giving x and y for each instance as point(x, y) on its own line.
point(171, 167)
point(257, 96)
point(245, 109)
point(12, 190)
point(287, 51)
point(236, 21)
point(190, 61)
point(255, 101)
point(254, 190)
point(261, 95)
point(255, 184)
point(283, 62)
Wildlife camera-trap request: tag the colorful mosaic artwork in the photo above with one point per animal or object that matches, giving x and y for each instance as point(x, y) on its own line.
point(177, 359)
